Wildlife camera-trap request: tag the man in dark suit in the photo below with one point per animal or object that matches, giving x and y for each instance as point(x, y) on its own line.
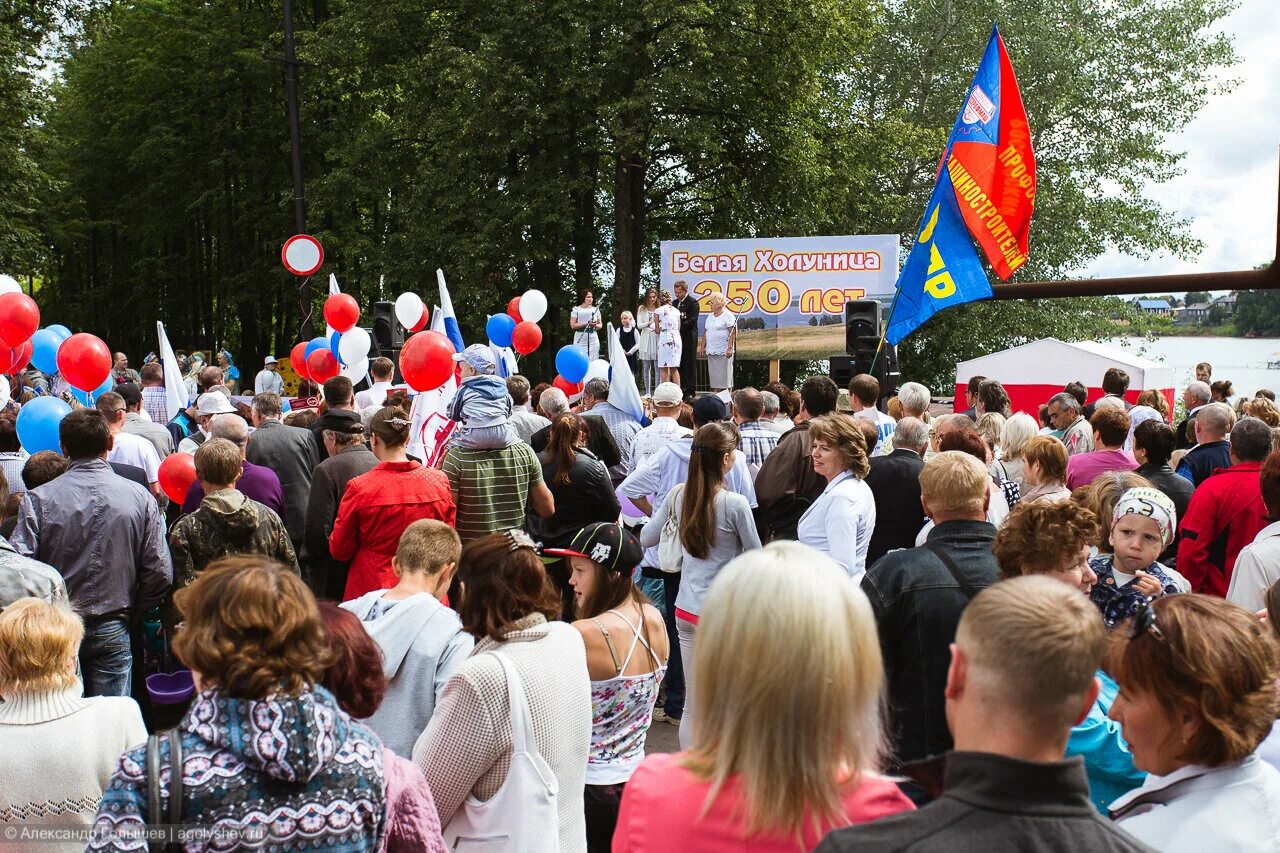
point(689, 311)
point(895, 484)
point(291, 453)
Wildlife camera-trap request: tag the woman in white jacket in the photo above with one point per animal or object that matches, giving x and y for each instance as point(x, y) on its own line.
point(840, 521)
point(57, 748)
point(1197, 696)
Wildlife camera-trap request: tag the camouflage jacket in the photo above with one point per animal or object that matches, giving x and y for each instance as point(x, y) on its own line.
point(225, 524)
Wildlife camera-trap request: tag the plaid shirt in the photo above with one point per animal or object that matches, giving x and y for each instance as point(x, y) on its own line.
point(757, 442)
point(155, 405)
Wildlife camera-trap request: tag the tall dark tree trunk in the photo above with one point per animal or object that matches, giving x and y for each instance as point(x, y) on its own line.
point(629, 210)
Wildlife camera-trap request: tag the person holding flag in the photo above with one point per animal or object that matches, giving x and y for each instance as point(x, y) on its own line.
point(985, 191)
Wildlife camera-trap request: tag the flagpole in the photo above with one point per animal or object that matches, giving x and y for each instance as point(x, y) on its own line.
point(885, 331)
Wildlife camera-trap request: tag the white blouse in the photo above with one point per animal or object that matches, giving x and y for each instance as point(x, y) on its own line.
point(839, 523)
point(717, 332)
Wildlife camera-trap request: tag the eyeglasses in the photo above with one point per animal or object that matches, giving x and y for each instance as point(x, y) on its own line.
point(1144, 619)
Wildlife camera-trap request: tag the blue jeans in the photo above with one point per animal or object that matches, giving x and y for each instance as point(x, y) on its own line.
point(106, 657)
point(674, 679)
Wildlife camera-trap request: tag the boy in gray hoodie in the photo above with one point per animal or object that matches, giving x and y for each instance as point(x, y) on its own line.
point(422, 641)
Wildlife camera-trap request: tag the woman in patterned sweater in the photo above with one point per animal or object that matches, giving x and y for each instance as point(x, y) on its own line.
point(268, 757)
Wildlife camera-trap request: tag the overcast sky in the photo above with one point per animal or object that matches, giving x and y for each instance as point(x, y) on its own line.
point(1228, 190)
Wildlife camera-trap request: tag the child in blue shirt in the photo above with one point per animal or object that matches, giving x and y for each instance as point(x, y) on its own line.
point(482, 405)
point(1141, 526)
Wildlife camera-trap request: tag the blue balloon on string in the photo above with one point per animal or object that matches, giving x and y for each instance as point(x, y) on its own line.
point(334, 340)
point(44, 350)
point(499, 329)
point(571, 363)
point(315, 344)
point(62, 331)
point(38, 424)
point(88, 398)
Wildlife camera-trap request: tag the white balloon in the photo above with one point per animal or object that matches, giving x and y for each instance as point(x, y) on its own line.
point(533, 306)
point(9, 284)
point(409, 309)
point(353, 346)
point(598, 369)
point(356, 371)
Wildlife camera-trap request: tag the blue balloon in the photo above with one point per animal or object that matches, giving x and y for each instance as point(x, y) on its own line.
point(499, 329)
point(313, 345)
point(38, 424)
point(62, 331)
point(44, 350)
point(333, 345)
point(571, 363)
point(87, 398)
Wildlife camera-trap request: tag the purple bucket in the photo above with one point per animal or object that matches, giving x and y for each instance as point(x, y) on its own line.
point(171, 688)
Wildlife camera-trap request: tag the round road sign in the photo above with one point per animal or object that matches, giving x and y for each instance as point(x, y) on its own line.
point(302, 254)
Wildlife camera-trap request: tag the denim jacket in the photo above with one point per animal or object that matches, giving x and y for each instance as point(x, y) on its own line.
point(918, 603)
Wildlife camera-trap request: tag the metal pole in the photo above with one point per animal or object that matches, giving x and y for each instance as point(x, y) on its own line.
point(295, 141)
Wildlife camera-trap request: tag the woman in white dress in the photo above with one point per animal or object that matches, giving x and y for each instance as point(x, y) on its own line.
point(586, 323)
point(648, 340)
point(666, 326)
point(719, 338)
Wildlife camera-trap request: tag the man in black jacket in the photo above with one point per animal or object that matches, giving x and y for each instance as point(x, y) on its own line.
point(918, 595)
point(349, 457)
point(1021, 675)
point(1153, 443)
point(895, 484)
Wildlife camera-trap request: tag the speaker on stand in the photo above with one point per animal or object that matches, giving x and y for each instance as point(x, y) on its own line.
point(863, 326)
point(387, 336)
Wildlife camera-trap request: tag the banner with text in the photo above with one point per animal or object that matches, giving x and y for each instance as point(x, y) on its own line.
point(789, 292)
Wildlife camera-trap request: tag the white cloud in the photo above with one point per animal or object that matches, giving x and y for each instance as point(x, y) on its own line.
point(1228, 189)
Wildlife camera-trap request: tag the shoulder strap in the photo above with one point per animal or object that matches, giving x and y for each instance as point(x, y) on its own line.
point(153, 788)
point(942, 555)
point(175, 777)
point(154, 795)
point(522, 739)
point(608, 641)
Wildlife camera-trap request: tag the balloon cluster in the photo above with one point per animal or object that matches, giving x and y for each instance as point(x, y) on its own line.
point(518, 327)
point(19, 320)
point(575, 370)
point(344, 349)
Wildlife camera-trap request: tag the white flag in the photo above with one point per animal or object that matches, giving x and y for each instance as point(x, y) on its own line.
point(175, 391)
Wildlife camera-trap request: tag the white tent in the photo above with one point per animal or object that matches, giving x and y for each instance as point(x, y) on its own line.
point(1034, 372)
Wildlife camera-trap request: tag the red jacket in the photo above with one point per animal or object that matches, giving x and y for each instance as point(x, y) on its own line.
point(375, 510)
point(1225, 514)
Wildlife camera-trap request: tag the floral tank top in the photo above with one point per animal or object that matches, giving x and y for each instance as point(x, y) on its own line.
point(621, 712)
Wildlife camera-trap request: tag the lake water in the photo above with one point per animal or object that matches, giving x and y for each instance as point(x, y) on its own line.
point(1242, 360)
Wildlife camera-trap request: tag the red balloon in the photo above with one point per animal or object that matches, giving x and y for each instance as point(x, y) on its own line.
point(341, 311)
point(177, 473)
point(422, 324)
point(17, 357)
point(566, 386)
point(298, 358)
point(323, 364)
point(84, 361)
point(426, 361)
point(526, 337)
point(19, 318)
point(513, 308)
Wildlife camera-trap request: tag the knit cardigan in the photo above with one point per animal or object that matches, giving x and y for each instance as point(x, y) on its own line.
point(57, 751)
point(466, 748)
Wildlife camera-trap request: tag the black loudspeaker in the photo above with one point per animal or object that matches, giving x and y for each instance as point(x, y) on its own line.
point(863, 326)
point(842, 370)
point(388, 334)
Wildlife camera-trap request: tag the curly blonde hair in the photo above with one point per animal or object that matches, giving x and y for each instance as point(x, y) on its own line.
point(252, 628)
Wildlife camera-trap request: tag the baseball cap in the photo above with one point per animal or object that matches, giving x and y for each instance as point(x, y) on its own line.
point(214, 403)
point(479, 357)
point(606, 543)
point(667, 394)
point(708, 408)
point(271, 359)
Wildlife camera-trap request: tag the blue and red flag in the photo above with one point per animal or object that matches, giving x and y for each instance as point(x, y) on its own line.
point(985, 191)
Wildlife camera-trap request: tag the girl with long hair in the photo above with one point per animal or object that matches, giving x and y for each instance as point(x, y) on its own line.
point(648, 340)
point(627, 651)
point(714, 525)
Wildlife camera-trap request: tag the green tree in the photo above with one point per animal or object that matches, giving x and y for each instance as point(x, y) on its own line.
point(1258, 311)
point(1196, 297)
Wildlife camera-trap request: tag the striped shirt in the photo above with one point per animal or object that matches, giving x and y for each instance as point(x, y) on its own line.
point(490, 487)
point(756, 441)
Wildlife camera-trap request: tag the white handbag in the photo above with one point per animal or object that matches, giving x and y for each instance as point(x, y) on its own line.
point(522, 815)
point(670, 551)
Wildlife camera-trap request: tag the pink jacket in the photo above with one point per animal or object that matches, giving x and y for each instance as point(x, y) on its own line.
point(662, 810)
point(411, 822)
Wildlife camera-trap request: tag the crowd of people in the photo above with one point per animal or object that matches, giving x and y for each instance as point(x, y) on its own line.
point(877, 626)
